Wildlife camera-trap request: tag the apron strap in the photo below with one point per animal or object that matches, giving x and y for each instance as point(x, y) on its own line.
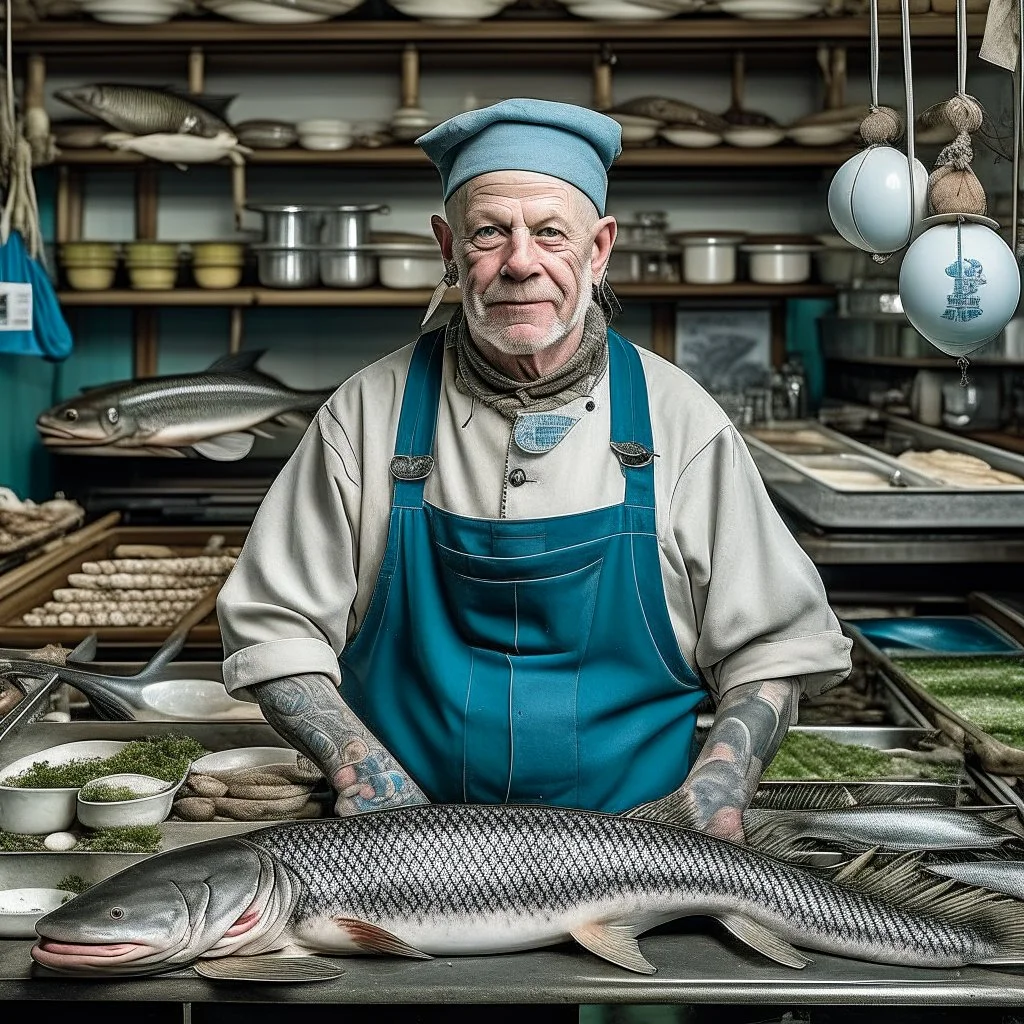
point(414, 444)
point(632, 438)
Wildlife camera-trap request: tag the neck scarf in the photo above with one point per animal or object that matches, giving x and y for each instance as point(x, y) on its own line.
point(478, 379)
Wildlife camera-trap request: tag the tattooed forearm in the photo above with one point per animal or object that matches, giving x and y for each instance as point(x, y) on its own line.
point(308, 712)
point(749, 727)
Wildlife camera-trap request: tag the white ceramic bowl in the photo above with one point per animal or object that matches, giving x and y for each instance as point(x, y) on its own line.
point(38, 812)
point(21, 908)
point(618, 10)
point(324, 133)
point(407, 266)
point(134, 12)
point(257, 13)
point(772, 10)
point(780, 262)
point(754, 136)
point(822, 134)
point(150, 807)
point(691, 138)
point(450, 12)
point(243, 757)
point(708, 257)
point(636, 128)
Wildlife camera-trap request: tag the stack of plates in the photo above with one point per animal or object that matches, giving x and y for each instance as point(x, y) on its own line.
point(278, 12)
point(772, 10)
point(450, 12)
point(618, 10)
point(135, 12)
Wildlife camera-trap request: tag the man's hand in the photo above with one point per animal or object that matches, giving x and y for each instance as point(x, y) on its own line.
point(308, 712)
point(749, 727)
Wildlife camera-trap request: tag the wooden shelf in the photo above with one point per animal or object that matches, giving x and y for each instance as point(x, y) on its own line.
point(384, 297)
point(640, 158)
point(498, 34)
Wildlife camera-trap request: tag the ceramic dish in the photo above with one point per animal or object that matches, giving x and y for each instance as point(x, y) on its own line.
point(617, 10)
point(21, 908)
point(151, 804)
point(324, 133)
point(450, 12)
point(407, 265)
point(691, 138)
point(258, 13)
point(134, 12)
point(822, 134)
point(265, 134)
point(38, 812)
point(780, 259)
point(635, 128)
point(243, 757)
point(709, 257)
point(753, 136)
point(772, 10)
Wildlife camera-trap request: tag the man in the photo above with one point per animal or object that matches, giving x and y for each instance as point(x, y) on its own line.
point(532, 547)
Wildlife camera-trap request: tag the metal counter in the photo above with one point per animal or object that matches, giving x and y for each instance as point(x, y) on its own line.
point(692, 968)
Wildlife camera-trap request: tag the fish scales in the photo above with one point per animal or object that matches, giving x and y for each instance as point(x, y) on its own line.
point(409, 867)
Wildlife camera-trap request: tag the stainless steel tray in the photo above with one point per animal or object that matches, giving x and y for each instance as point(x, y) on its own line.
point(905, 500)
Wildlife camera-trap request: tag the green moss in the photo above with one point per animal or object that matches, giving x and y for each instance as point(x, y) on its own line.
point(163, 757)
point(98, 793)
point(124, 839)
point(73, 883)
point(12, 842)
point(988, 692)
point(813, 757)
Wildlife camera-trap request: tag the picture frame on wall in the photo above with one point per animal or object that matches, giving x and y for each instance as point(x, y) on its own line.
point(725, 350)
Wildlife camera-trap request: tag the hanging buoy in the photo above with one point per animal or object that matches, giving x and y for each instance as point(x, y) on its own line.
point(959, 283)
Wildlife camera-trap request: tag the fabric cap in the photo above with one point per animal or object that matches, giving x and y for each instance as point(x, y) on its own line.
point(561, 139)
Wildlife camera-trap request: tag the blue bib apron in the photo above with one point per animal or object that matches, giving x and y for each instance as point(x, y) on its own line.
point(525, 661)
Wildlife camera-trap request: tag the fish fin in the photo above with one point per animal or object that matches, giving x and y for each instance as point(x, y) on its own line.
point(260, 432)
point(372, 939)
point(226, 447)
point(675, 813)
point(766, 943)
point(851, 869)
point(214, 104)
point(85, 651)
point(268, 968)
point(237, 362)
point(777, 796)
point(293, 418)
point(615, 943)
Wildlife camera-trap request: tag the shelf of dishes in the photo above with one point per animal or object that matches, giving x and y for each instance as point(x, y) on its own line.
point(451, 24)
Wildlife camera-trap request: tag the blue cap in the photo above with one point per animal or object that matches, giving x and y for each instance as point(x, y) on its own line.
point(561, 139)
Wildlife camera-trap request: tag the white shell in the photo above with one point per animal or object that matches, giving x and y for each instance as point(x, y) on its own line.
point(959, 316)
point(60, 841)
point(869, 199)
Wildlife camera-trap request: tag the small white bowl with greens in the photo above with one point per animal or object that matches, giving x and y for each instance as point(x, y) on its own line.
point(125, 799)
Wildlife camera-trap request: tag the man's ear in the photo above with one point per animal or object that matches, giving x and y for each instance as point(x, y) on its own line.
point(606, 230)
point(444, 236)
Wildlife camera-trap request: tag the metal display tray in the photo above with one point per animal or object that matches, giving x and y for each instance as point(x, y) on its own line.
point(913, 501)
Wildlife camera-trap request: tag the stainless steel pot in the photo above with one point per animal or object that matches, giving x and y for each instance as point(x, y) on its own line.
point(280, 267)
point(348, 226)
point(347, 268)
point(290, 225)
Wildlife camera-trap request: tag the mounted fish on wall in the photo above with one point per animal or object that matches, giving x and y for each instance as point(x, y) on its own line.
point(217, 413)
point(166, 125)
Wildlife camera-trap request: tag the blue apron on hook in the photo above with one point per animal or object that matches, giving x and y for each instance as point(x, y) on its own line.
point(525, 661)
point(31, 322)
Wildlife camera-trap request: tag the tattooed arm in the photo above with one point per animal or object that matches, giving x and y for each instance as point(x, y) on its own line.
point(308, 712)
point(749, 727)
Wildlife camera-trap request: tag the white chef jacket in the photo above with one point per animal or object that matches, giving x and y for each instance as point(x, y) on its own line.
point(745, 602)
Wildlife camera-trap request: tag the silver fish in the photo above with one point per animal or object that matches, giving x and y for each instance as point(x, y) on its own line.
point(449, 880)
point(1005, 876)
point(141, 110)
point(217, 412)
point(670, 111)
point(890, 828)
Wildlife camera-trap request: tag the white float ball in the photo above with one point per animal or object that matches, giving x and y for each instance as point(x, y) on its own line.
point(959, 285)
point(60, 841)
point(869, 199)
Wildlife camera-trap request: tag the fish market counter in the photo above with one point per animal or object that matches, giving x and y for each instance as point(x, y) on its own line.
point(692, 968)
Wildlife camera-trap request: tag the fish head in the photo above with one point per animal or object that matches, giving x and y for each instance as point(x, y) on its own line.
point(96, 418)
point(90, 99)
point(162, 912)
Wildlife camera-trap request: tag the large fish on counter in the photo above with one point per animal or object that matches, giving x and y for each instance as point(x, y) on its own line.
point(448, 880)
point(142, 110)
point(216, 412)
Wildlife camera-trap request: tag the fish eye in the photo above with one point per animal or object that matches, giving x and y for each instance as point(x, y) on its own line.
point(112, 415)
point(71, 414)
point(116, 913)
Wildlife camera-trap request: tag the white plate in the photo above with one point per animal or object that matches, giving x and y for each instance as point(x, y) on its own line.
point(449, 11)
point(822, 134)
point(617, 10)
point(257, 13)
point(691, 138)
point(244, 757)
point(772, 10)
point(753, 137)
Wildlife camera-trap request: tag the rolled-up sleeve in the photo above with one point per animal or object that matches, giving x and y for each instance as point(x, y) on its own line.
point(761, 608)
point(284, 608)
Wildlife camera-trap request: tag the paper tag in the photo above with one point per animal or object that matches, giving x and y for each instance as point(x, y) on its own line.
point(15, 306)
